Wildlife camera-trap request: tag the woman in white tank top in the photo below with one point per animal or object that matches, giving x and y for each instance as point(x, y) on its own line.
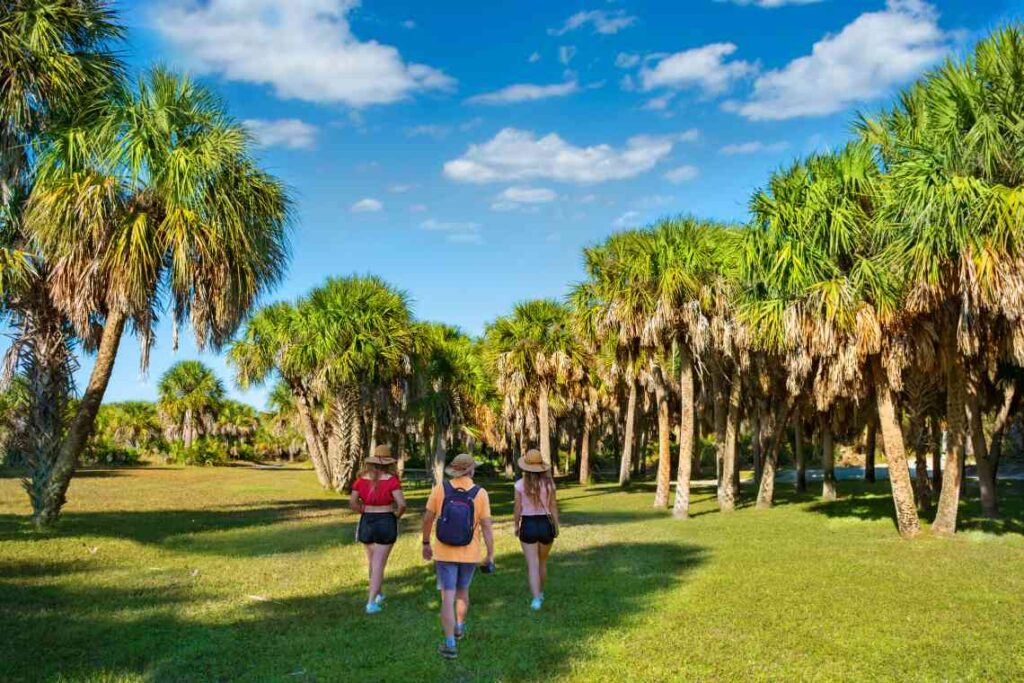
point(536, 520)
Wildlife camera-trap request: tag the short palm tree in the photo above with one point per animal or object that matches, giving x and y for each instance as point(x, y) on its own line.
point(154, 203)
point(190, 397)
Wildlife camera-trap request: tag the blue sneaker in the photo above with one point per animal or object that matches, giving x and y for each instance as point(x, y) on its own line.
point(379, 600)
point(373, 608)
point(536, 603)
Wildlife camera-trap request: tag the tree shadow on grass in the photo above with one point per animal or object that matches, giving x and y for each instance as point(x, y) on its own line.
point(873, 502)
point(155, 632)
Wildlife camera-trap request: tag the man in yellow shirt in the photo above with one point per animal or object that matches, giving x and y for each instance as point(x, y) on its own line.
point(455, 564)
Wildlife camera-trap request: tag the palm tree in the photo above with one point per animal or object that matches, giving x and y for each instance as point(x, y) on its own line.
point(271, 343)
point(356, 336)
point(820, 292)
point(954, 151)
point(533, 352)
point(191, 396)
point(155, 203)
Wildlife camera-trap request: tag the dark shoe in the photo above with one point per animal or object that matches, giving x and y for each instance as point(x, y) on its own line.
point(447, 652)
point(460, 633)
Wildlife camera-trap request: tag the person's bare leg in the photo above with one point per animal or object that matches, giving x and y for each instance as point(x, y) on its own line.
point(461, 605)
point(542, 555)
point(530, 551)
point(379, 560)
point(448, 613)
point(368, 547)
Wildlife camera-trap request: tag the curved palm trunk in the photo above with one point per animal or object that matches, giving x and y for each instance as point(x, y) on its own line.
point(870, 446)
point(949, 496)
point(687, 429)
point(625, 466)
point(766, 488)
point(314, 443)
point(53, 491)
point(439, 454)
point(664, 480)
point(988, 458)
point(828, 462)
point(544, 422)
point(798, 452)
point(726, 488)
point(895, 454)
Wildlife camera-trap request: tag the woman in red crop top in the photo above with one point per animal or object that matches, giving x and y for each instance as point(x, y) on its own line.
point(377, 497)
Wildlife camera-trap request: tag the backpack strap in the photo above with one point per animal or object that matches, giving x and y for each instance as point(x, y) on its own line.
point(472, 492)
point(447, 488)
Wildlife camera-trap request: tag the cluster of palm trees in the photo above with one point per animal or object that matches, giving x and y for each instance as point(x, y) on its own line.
point(120, 200)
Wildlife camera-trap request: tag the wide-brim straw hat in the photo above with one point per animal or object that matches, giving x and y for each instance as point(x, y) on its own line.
point(381, 456)
point(460, 465)
point(533, 461)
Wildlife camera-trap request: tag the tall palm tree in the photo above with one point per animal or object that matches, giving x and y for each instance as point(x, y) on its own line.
point(954, 151)
point(821, 288)
point(533, 352)
point(271, 344)
point(155, 203)
point(357, 335)
point(190, 400)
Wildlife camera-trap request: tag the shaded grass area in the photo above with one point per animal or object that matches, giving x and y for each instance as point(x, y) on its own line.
point(179, 574)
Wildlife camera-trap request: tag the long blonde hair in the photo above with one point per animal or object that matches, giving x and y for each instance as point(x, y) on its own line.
point(536, 484)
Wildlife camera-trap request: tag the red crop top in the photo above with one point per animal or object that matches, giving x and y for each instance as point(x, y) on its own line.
point(382, 494)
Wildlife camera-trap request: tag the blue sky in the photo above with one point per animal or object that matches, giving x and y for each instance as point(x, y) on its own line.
point(466, 151)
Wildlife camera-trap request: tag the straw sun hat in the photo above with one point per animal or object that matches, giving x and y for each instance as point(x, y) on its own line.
point(381, 456)
point(460, 465)
point(533, 462)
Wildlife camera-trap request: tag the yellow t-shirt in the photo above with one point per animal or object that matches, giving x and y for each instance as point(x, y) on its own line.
point(481, 511)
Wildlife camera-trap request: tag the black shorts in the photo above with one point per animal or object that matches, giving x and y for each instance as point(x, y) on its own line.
point(377, 527)
point(536, 529)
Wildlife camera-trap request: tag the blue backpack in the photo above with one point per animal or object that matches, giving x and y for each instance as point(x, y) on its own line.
point(457, 522)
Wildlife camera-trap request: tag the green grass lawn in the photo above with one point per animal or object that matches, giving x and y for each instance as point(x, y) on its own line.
point(242, 574)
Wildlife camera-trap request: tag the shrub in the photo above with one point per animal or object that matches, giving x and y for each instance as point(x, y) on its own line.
point(201, 452)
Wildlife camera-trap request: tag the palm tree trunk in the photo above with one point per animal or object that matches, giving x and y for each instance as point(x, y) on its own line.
point(766, 487)
point(54, 490)
point(828, 464)
point(625, 466)
point(892, 441)
point(544, 419)
point(373, 431)
point(936, 454)
point(726, 489)
point(798, 452)
point(346, 442)
point(664, 480)
point(987, 459)
point(870, 446)
point(585, 453)
point(949, 496)
point(687, 427)
point(186, 428)
point(1011, 401)
point(756, 447)
point(314, 443)
point(721, 409)
point(439, 454)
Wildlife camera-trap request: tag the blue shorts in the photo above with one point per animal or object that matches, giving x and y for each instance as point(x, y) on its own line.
point(454, 575)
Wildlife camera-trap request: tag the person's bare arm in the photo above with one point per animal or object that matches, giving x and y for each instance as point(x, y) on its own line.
point(399, 503)
point(553, 506)
point(517, 512)
point(488, 531)
point(428, 524)
point(355, 503)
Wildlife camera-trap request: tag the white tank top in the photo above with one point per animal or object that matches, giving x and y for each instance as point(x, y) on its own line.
point(530, 507)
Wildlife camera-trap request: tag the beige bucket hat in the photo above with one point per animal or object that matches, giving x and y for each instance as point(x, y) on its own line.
point(533, 462)
point(460, 465)
point(381, 456)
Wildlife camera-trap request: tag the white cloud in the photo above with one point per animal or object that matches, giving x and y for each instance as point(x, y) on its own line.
point(706, 68)
point(660, 103)
point(418, 208)
point(566, 53)
point(864, 61)
point(627, 60)
point(525, 92)
point(753, 147)
point(534, 58)
point(289, 133)
point(515, 154)
point(603, 21)
point(627, 220)
point(409, 24)
point(517, 197)
point(682, 174)
point(398, 188)
point(367, 205)
point(455, 231)
point(771, 4)
point(304, 49)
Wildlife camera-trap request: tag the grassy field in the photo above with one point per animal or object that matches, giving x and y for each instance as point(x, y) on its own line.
point(242, 574)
